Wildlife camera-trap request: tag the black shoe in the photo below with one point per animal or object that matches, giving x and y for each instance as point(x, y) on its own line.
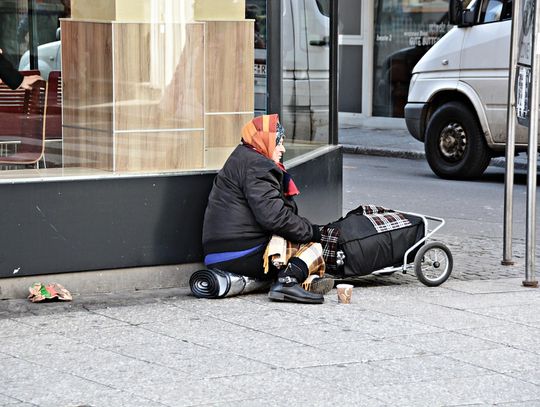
point(288, 289)
point(320, 285)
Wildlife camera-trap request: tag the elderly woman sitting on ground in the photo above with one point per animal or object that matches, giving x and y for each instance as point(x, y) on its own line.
point(251, 210)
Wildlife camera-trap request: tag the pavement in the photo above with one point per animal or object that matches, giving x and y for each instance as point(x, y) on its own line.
point(471, 342)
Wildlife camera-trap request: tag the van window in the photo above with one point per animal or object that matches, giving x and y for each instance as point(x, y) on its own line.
point(496, 10)
point(324, 7)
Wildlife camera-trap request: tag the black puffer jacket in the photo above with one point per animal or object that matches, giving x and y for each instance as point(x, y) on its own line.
point(247, 206)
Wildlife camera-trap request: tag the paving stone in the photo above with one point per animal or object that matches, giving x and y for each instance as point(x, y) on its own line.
point(141, 314)
point(489, 287)
point(72, 322)
point(220, 336)
point(527, 375)
point(39, 385)
point(37, 344)
point(7, 400)
point(525, 314)
point(317, 334)
point(171, 353)
point(293, 355)
point(118, 336)
point(223, 364)
point(263, 317)
point(370, 350)
point(419, 368)
point(291, 388)
point(487, 390)
point(249, 402)
point(505, 360)
point(446, 342)
point(384, 326)
point(346, 376)
point(15, 327)
point(528, 403)
point(192, 392)
point(449, 319)
point(463, 301)
point(509, 334)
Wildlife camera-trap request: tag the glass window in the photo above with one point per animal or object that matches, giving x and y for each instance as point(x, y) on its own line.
point(306, 67)
point(496, 10)
point(164, 93)
point(256, 10)
point(404, 31)
point(161, 93)
point(324, 7)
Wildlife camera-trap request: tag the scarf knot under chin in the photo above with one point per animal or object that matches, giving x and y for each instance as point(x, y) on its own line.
point(289, 187)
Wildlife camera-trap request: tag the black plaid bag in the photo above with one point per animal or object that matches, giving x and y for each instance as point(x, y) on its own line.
point(373, 239)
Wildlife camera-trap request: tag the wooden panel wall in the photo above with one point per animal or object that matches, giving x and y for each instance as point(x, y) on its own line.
point(151, 151)
point(224, 130)
point(87, 94)
point(165, 78)
point(229, 66)
point(229, 86)
point(159, 76)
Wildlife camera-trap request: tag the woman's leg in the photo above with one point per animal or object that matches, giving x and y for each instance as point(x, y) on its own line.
point(304, 260)
point(249, 266)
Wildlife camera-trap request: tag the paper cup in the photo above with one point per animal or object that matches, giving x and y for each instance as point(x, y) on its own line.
point(344, 293)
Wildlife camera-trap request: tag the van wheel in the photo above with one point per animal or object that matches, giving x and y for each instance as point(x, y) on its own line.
point(455, 146)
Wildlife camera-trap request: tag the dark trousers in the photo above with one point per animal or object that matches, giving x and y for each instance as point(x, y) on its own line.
point(249, 266)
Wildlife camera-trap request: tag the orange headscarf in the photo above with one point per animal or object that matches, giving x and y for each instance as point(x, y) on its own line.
point(260, 133)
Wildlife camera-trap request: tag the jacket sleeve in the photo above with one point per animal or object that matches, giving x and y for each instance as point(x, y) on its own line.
point(9, 75)
point(263, 193)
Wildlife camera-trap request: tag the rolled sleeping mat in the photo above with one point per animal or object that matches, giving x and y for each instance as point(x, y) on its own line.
point(216, 283)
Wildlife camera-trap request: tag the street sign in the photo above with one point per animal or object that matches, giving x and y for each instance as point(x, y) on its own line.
point(523, 86)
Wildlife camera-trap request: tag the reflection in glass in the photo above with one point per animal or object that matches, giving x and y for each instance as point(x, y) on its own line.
point(404, 31)
point(306, 67)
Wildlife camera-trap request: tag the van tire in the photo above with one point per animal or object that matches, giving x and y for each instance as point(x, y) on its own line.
point(454, 144)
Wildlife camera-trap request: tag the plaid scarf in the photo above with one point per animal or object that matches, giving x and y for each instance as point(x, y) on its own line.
point(329, 242)
point(384, 219)
point(279, 251)
point(289, 187)
point(260, 134)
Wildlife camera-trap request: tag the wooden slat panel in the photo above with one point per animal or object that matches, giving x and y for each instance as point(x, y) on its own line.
point(159, 73)
point(229, 66)
point(87, 74)
point(224, 130)
point(87, 149)
point(159, 151)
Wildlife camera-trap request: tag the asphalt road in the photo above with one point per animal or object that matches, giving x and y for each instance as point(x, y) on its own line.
point(473, 208)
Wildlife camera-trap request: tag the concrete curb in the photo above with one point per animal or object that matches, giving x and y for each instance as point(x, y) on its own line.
point(383, 152)
point(499, 162)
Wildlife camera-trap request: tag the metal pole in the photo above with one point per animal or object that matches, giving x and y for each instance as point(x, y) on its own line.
point(274, 68)
point(510, 140)
point(333, 80)
point(530, 263)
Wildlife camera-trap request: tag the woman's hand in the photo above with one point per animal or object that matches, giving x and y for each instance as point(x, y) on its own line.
point(28, 81)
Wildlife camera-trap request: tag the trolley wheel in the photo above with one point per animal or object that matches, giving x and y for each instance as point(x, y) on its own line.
point(433, 264)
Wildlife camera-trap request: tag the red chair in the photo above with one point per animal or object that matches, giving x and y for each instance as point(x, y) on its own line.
point(31, 136)
point(53, 124)
point(12, 110)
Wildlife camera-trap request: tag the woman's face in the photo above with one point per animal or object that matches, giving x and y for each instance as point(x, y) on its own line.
point(278, 152)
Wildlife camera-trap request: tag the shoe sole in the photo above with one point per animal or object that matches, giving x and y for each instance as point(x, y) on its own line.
point(283, 297)
point(322, 286)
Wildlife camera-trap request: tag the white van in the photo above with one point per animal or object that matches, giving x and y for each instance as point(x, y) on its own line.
point(457, 100)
